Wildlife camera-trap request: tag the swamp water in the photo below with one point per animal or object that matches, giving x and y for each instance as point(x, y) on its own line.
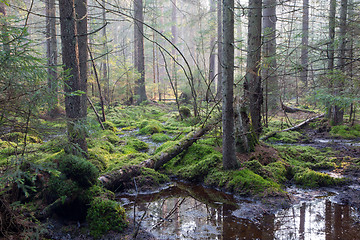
point(185, 211)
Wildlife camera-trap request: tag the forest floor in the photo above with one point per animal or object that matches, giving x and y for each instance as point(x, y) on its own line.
point(277, 174)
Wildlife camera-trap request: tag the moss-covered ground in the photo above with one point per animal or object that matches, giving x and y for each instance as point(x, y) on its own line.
point(41, 163)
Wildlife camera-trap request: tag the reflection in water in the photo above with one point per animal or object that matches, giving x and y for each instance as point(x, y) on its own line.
point(193, 212)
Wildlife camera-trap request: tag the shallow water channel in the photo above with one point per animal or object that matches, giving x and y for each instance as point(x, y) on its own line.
point(186, 211)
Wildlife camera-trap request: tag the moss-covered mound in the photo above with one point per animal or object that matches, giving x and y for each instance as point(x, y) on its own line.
point(105, 215)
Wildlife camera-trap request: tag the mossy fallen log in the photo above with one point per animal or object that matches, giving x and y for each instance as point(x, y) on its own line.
point(293, 109)
point(296, 127)
point(115, 180)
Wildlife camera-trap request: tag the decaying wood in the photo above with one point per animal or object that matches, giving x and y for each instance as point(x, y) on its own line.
point(114, 180)
point(293, 109)
point(296, 127)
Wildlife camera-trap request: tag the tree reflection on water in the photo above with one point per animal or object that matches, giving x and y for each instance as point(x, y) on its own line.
point(192, 212)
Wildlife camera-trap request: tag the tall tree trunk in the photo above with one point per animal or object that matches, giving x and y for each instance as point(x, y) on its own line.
point(229, 157)
point(105, 66)
point(269, 50)
point(139, 50)
point(174, 41)
point(51, 52)
point(252, 83)
point(338, 114)
point(211, 88)
point(70, 57)
point(4, 29)
point(219, 48)
point(331, 48)
point(305, 43)
point(81, 27)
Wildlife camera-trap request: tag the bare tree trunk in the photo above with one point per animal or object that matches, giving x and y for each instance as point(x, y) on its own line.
point(174, 83)
point(139, 50)
point(51, 52)
point(305, 43)
point(81, 27)
point(211, 86)
point(4, 29)
point(269, 49)
point(252, 83)
point(105, 64)
point(229, 157)
point(331, 47)
point(338, 114)
point(219, 48)
point(70, 57)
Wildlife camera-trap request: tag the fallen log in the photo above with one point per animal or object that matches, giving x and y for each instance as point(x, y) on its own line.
point(114, 180)
point(296, 127)
point(293, 109)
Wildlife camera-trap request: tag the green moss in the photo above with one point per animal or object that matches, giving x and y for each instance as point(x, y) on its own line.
point(278, 170)
point(105, 215)
point(166, 145)
point(127, 160)
point(310, 178)
point(286, 137)
point(160, 137)
point(79, 169)
point(199, 170)
point(60, 186)
point(54, 145)
point(344, 131)
point(243, 182)
point(110, 126)
point(150, 127)
point(137, 144)
point(185, 112)
point(247, 182)
point(211, 141)
point(18, 137)
point(155, 176)
point(99, 158)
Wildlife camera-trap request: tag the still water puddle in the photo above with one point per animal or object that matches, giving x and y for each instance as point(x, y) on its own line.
point(184, 211)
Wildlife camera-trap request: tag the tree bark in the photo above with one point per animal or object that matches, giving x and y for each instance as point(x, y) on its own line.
point(70, 57)
point(269, 50)
point(174, 81)
point(219, 48)
point(115, 179)
point(51, 52)
point(338, 113)
point(4, 29)
point(229, 157)
point(105, 64)
point(139, 50)
point(252, 83)
point(81, 27)
point(305, 43)
point(211, 86)
point(331, 48)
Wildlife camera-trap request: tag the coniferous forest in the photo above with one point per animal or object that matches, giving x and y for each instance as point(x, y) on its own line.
point(179, 119)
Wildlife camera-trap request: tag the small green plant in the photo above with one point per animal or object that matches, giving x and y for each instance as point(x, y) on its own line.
point(105, 215)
